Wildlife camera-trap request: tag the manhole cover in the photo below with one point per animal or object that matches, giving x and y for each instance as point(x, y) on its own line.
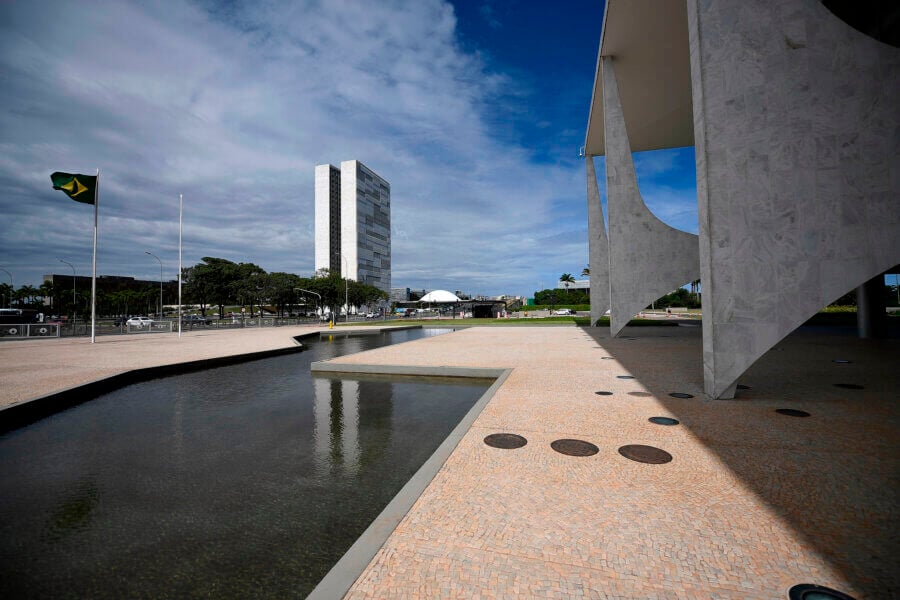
point(841, 361)
point(640, 394)
point(792, 412)
point(624, 376)
point(574, 448)
point(809, 591)
point(663, 420)
point(681, 395)
point(603, 393)
point(507, 441)
point(849, 386)
point(645, 454)
point(741, 386)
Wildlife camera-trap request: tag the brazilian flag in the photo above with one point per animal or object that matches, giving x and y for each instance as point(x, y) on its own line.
point(79, 188)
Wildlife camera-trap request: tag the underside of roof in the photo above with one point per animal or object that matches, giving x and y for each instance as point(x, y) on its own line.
point(648, 40)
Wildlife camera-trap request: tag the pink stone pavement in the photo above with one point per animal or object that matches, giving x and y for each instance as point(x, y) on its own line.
point(753, 502)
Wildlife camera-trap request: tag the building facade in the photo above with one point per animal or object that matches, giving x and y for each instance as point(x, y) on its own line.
point(353, 223)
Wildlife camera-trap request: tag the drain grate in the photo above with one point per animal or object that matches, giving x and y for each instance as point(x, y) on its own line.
point(810, 591)
point(681, 395)
point(645, 454)
point(624, 376)
point(506, 441)
point(603, 393)
point(850, 386)
point(640, 394)
point(574, 447)
point(842, 361)
point(663, 420)
point(792, 412)
point(607, 358)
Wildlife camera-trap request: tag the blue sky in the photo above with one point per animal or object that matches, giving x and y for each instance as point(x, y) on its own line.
point(474, 111)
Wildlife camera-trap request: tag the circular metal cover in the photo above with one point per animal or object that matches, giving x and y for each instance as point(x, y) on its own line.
point(624, 376)
point(506, 441)
point(603, 393)
point(574, 447)
point(792, 412)
point(663, 420)
point(640, 394)
point(645, 454)
point(810, 591)
point(681, 395)
point(850, 386)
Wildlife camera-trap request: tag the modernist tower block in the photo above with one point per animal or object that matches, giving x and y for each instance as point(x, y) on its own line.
point(353, 223)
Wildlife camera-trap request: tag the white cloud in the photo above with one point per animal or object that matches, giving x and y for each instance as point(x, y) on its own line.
point(233, 105)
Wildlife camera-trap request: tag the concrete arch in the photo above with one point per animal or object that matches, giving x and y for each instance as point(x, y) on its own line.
point(598, 246)
point(798, 170)
point(647, 258)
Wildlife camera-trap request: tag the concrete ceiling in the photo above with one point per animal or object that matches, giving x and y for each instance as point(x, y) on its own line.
point(648, 42)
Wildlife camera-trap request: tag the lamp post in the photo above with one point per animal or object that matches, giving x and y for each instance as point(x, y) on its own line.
point(160, 281)
point(311, 292)
point(74, 314)
point(9, 298)
point(346, 276)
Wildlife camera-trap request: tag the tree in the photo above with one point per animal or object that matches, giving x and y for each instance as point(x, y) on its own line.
point(211, 282)
point(567, 280)
point(586, 272)
point(48, 290)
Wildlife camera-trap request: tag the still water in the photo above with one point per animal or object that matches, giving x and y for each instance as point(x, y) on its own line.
point(246, 481)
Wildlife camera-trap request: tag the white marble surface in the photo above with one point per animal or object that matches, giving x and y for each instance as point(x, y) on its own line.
point(598, 246)
point(797, 129)
point(647, 258)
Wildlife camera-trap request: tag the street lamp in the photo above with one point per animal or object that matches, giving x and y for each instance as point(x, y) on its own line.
point(346, 277)
point(311, 292)
point(9, 298)
point(74, 314)
point(160, 281)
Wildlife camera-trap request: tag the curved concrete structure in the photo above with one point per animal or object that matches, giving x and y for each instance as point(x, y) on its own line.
point(798, 170)
point(794, 119)
point(648, 259)
point(598, 246)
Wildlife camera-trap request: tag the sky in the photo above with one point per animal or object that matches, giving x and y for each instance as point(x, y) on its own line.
point(473, 110)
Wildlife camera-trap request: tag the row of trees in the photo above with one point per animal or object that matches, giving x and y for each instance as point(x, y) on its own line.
point(54, 299)
point(217, 282)
point(213, 282)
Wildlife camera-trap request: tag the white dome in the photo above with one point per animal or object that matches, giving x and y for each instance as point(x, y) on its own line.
point(439, 296)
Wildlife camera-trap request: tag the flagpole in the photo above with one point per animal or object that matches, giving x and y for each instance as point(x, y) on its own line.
point(180, 212)
point(94, 263)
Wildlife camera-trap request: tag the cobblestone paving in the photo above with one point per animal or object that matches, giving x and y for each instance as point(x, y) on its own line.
point(753, 503)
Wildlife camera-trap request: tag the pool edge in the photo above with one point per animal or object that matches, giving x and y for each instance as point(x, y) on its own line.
point(341, 577)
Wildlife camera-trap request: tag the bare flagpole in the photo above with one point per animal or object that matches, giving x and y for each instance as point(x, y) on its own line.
point(180, 212)
point(94, 263)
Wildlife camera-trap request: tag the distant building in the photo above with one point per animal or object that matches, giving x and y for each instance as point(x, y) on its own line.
point(353, 223)
point(578, 284)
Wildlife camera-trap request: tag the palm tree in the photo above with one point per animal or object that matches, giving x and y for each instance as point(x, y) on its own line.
point(567, 280)
point(586, 272)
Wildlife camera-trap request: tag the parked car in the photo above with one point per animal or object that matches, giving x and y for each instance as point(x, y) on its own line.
point(371, 315)
point(139, 322)
point(564, 311)
point(195, 320)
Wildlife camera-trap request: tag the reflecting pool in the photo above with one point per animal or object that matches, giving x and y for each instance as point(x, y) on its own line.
point(244, 481)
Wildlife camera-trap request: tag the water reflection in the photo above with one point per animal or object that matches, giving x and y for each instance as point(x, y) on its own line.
point(244, 481)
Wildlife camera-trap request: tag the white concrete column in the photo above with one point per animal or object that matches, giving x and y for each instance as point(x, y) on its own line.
point(598, 246)
point(795, 125)
point(647, 258)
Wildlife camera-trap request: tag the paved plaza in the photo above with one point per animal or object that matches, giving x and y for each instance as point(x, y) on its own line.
point(752, 503)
